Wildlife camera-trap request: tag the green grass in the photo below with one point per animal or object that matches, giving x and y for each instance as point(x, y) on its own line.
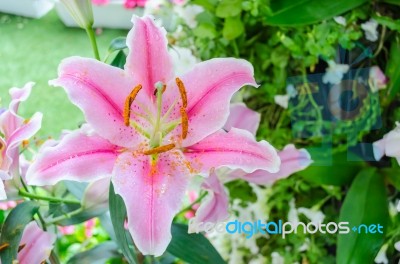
point(31, 50)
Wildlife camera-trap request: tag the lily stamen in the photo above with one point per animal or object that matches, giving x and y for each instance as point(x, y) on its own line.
point(159, 150)
point(185, 123)
point(182, 91)
point(128, 103)
point(162, 91)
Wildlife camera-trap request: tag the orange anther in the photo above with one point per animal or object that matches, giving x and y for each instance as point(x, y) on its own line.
point(128, 103)
point(160, 149)
point(182, 91)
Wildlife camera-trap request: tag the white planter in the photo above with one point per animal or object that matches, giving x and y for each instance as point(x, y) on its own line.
point(112, 15)
point(27, 8)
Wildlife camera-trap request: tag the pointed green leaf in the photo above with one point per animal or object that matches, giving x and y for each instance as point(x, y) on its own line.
point(192, 248)
point(233, 28)
point(393, 69)
point(119, 60)
point(117, 44)
point(302, 12)
point(365, 204)
point(118, 216)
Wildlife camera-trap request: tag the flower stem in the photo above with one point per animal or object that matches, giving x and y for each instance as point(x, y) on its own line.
point(41, 219)
point(65, 216)
point(92, 37)
point(46, 198)
point(187, 208)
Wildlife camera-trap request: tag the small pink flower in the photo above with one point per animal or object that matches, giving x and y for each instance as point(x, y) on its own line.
point(128, 4)
point(89, 226)
point(66, 230)
point(141, 3)
point(153, 130)
point(179, 2)
point(7, 205)
point(100, 2)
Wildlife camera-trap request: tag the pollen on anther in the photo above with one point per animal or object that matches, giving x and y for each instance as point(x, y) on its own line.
point(158, 150)
point(185, 123)
point(182, 91)
point(128, 103)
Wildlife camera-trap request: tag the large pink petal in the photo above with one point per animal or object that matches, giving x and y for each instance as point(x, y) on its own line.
point(152, 195)
point(77, 157)
point(292, 160)
point(100, 90)
point(10, 164)
point(38, 244)
point(210, 86)
point(214, 208)
point(242, 117)
point(148, 60)
point(234, 149)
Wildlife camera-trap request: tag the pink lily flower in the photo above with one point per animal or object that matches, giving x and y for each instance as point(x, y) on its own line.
point(36, 245)
point(153, 130)
point(215, 207)
point(66, 230)
point(13, 131)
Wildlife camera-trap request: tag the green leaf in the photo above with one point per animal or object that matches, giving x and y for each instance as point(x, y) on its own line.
point(229, 8)
point(77, 189)
point(393, 24)
point(192, 248)
point(365, 203)
point(13, 228)
point(233, 28)
point(205, 30)
point(82, 216)
point(207, 4)
point(118, 216)
point(117, 44)
point(338, 171)
point(302, 12)
point(96, 255)
point(393, 69)
point(119, 60)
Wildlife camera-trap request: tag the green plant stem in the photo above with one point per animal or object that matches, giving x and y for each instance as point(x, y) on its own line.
point(187, 208)
point(46, 198)
point(92, 37)
point(64, 216)
point(41, 219)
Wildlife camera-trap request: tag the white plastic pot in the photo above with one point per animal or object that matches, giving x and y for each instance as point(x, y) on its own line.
point(111, 15)
point(27, 8)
